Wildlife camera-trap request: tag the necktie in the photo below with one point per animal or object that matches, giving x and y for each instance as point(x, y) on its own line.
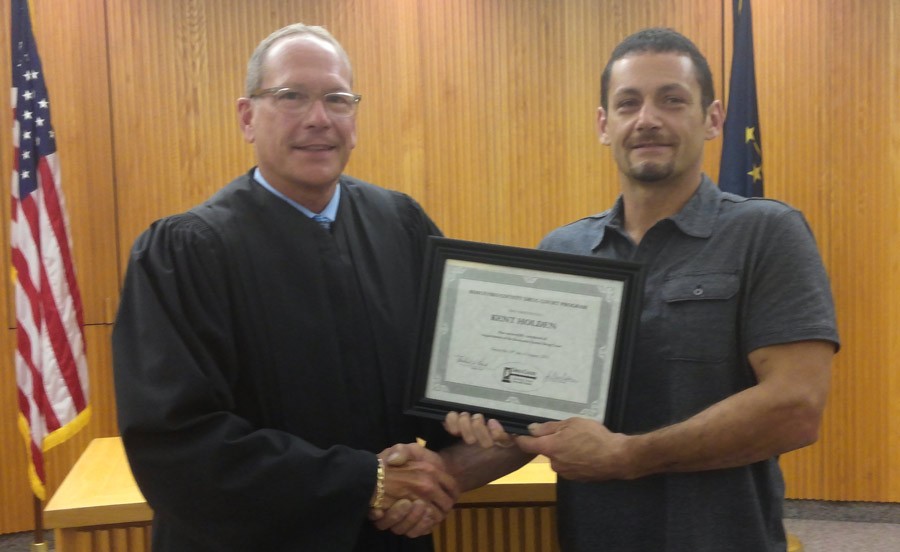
point(323, 221)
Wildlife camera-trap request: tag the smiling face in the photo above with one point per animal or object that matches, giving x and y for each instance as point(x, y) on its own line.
point(301, 156)
point(655, 122)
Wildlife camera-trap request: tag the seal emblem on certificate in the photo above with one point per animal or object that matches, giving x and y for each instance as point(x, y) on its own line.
point(523, 335)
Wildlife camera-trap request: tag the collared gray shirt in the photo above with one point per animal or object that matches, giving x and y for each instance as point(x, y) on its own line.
point(724, 276)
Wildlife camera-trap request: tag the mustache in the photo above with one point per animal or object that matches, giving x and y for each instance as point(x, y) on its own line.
point(648, 143)
point(645, 140)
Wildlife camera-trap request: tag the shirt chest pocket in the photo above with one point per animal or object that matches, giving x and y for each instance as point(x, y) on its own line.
point(701, 314)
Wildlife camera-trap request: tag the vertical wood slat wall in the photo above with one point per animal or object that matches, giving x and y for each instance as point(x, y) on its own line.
point(498, 529)
point(483, 111)
point(124, 538)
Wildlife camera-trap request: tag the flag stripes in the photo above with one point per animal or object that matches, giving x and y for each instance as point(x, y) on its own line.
point(50, 362)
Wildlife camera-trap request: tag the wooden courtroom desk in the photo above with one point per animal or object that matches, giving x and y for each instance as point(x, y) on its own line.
point(99, 508)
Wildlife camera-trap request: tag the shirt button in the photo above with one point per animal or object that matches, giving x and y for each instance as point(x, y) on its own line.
point(698, 292)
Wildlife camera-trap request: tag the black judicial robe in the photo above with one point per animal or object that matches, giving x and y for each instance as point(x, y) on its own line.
point(260, 361)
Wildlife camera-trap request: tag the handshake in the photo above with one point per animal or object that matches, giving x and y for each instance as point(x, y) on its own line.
point(420, 486)
point(417, 491)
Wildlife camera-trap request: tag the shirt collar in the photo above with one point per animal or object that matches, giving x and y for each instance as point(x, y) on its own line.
point(696, 218)
point(330, 210)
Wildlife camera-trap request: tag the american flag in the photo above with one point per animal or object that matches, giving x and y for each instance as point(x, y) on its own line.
point(51, 369)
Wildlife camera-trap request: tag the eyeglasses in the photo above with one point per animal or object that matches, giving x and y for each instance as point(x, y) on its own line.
point(297, 102)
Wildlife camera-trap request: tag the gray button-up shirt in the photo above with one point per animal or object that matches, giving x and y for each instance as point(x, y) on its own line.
point(723, 277)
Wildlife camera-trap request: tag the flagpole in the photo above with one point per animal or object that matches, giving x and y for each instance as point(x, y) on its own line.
point(38, 545)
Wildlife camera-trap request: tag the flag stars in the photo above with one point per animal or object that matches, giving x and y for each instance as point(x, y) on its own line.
point(39, 122)
point(28, 94)
point(26, 155)
point(26, 175)
point(750, 134)
point(756, 173)
point(28, 115)
point(44, 104)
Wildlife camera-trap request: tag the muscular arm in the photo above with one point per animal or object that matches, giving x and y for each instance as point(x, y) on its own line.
point(779, 414)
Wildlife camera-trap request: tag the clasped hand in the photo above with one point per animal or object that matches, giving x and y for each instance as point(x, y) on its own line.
point(418, 491)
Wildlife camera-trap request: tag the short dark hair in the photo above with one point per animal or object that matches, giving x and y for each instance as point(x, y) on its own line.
point(660, 40)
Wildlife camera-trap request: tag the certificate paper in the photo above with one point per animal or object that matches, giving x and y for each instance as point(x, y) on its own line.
point(523, 335)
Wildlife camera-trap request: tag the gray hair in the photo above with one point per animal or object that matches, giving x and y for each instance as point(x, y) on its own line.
point(257, 60)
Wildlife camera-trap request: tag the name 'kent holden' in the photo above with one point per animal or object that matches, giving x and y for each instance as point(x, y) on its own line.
point(524, 321)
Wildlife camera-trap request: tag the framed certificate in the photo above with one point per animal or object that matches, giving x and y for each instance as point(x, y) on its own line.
point(523, 335)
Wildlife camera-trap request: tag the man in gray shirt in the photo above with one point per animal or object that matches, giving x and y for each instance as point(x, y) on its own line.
point(734, 346)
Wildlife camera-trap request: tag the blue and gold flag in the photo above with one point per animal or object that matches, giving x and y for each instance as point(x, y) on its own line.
point(741, 169)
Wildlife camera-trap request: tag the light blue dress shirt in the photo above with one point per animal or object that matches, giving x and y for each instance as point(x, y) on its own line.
point(330, 210)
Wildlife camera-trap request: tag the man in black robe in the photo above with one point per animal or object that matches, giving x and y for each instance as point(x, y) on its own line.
point(261, 355)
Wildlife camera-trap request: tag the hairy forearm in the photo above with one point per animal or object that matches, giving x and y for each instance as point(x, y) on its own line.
point(779, 414)
point(743, 429)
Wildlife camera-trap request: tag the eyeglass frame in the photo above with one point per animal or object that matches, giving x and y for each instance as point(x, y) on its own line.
point(355, 98)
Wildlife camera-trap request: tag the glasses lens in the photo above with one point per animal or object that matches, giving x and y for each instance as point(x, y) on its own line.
point(340, 104)
point(295, 102)
point(291, 101)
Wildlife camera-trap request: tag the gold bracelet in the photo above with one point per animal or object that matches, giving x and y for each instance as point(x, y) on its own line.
point(378, 503)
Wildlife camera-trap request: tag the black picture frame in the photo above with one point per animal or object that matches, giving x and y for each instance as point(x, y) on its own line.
point(501, 328)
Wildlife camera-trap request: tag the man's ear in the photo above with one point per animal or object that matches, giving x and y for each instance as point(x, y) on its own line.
point(715, 119)
point(601, 126)
point(245, 119)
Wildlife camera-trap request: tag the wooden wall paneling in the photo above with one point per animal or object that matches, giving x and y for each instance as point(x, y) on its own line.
point(125, 538)
point(588, 181)
point(382, 40)
point(854, 452)
point(892, 191)
point(537, 78)
point(459, 117)
point(862, 161)
point(175, 75)
point(823, 156)
point(494, 529)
